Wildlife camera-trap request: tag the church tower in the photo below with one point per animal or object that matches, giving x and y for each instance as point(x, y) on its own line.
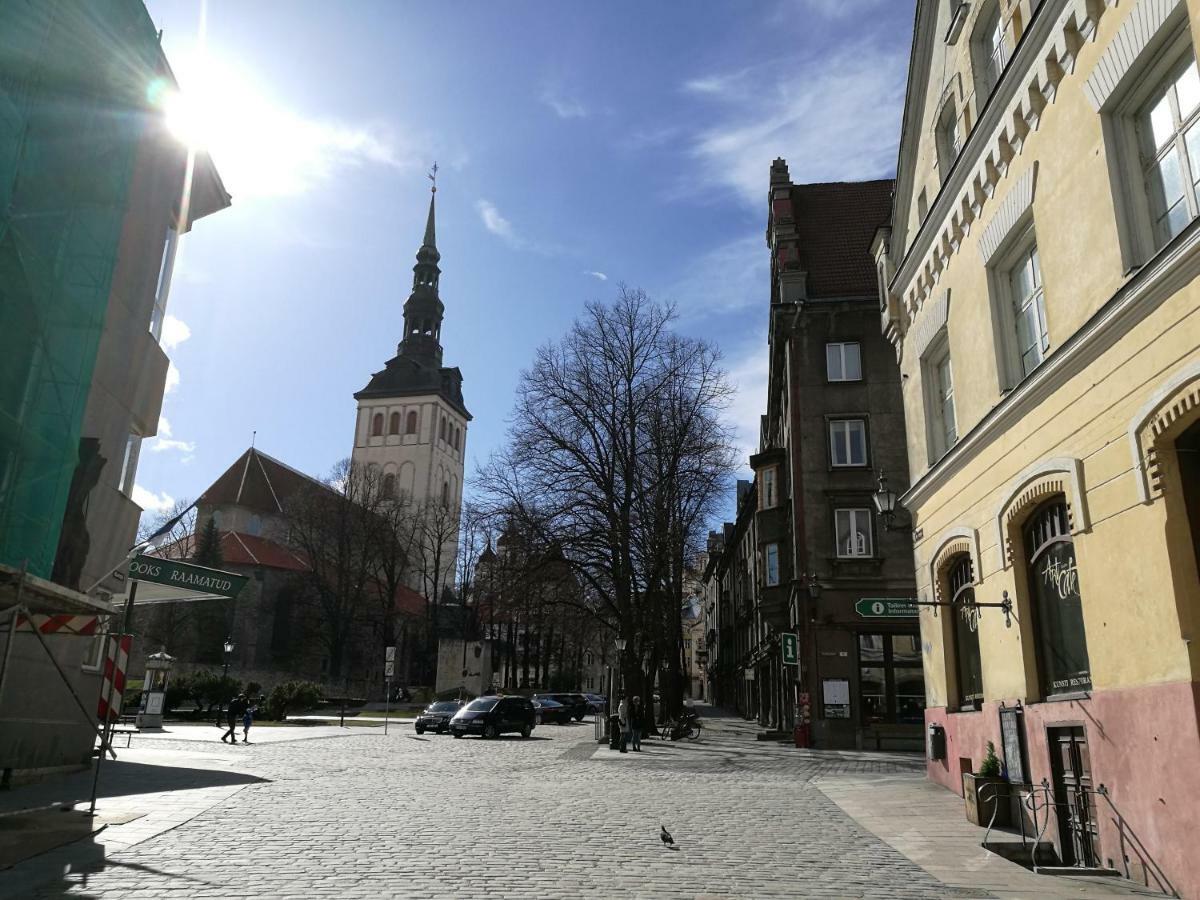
point(412, 423)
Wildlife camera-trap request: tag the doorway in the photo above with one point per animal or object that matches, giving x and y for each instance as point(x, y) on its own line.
point(1074, 796)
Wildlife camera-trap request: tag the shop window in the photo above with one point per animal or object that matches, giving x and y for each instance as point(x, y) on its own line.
point(853, 530)
point(891, 679)
point(847, 442)
point(1053, 578)
point(967, 663)
point(843, 361)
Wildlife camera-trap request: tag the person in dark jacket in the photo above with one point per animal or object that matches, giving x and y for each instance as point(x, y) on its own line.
point(233, 716)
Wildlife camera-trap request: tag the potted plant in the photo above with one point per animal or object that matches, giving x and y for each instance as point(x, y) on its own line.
point(981, 803)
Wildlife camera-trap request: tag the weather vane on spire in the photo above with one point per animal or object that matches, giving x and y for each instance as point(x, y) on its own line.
point(432, 176)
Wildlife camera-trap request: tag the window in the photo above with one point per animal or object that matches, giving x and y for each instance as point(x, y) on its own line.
point(377, 425)
point(1053, 579)
point(967, 662)
point(445, 493)
point(772, 567)
point(853, 530)
point(163, 286)
point(767, 497)
point(843, 362)
point(389, 486)
point(949, 138)
point(394, 423)
point(1029, 311)
point(591, 658)
point(442, 429)
point(457, 432)
point(939, 401)
point(133, 448)
point(891, 681)
point(848, 442)
point(1168, 130)
point(411, 426)
point(989, 54)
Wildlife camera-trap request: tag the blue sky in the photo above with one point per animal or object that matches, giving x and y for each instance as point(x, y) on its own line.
point(579, 146)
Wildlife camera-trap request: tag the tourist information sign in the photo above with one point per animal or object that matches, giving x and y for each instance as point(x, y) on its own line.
point(182, 581)
point(787, 645)
point(886, 608)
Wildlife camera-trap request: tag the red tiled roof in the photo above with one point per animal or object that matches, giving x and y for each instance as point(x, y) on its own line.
point(409, 601)
point(836, 223)
point(240, 549)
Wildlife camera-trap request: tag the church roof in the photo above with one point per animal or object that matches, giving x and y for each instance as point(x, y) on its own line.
point(403, 376)
point(256, 481)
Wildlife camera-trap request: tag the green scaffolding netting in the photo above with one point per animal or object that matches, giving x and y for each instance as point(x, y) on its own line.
point(74, 76)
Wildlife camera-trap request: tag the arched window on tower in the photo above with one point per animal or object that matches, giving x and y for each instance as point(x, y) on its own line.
point(445, 493)
point(411, 427)
point(442, 429)
point(377, 425)
point(389, 486)
point(455, 441)
point(394, 424)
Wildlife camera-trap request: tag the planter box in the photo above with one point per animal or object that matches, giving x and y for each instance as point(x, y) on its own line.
point(979, 809)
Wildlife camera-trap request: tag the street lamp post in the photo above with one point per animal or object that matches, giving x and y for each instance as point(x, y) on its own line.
point(614, 722)
point(229, 645)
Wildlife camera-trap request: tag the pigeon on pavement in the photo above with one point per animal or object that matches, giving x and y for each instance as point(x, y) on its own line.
point(665, 837)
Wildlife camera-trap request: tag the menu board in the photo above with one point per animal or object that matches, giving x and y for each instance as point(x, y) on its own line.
point(1012, 735)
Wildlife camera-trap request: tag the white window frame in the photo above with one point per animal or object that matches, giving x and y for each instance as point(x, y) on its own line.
point(768, 494)
point(989, 53)
point(770, 579)
point(1017, 247)
point(859, 520)
point(948, 137)
point(842, 424)
point(162, 286)
point(940, 410)
point(129, 463)
point(839, 348)
point(1128, 169)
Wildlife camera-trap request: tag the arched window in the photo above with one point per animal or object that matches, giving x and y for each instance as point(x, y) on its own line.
point(966, 632)
point(442, 429)
point(377, 425)
point(445, 493)
point(1053, 579)
point(456, 433)
point(389, 486)
point(394, 424)
point(411, 426)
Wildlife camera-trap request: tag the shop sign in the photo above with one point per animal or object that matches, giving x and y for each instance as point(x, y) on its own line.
point(187, 576)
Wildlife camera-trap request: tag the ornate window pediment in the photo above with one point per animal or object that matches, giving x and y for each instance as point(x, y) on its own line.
point(1061, 475)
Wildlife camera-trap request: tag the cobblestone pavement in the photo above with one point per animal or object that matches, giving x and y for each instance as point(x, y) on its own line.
point(407, 816)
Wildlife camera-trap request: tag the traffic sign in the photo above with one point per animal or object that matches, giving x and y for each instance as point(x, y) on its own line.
point(389, 669)
point(788, 647)
point(389, 654)
point(886, 607)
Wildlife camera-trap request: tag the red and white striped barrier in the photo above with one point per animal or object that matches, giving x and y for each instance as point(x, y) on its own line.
point(59, 624)
point(114, 677)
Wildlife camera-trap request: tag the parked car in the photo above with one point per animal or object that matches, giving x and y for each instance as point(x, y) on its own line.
point(437, 716)
point(597, 703)
point(491, 717)
point(551, 711)
point(576, 703)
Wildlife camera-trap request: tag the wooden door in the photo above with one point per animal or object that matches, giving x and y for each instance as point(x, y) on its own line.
point(1074, 797)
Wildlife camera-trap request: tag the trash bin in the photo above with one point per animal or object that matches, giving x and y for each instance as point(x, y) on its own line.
point(936, 743)
point(614, 732)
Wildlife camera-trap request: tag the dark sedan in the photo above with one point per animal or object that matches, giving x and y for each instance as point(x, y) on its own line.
point(437, 716)
point(576, 703)
point(552, 711)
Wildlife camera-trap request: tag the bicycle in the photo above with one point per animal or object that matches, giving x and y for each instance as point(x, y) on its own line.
point(685, 728)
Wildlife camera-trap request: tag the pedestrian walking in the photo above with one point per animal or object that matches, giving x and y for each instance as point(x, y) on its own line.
point(623, 718)
point(247, 721)
point(233, 714)
point(635, 724)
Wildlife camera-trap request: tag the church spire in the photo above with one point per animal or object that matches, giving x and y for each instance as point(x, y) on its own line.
point(423, 310)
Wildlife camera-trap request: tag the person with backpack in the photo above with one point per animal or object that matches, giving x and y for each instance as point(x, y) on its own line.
point(233, 714)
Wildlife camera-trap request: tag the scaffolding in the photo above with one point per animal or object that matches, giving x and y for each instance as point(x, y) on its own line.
point(74, 107)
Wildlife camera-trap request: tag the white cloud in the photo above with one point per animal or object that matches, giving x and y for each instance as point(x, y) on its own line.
point(730, 276)
point(749, 374)
point(164, 441)
point(174, 332)
point(496, 223)
point(564, 107)
point(151, 502)
point(599, 276)
point(172, 379)
point(833, 117)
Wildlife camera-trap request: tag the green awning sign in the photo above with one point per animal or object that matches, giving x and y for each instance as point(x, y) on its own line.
point(195, 582)
point(787, 646)
point(886, 608)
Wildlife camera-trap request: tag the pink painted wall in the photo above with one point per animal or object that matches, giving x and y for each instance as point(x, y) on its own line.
point(1145, 749)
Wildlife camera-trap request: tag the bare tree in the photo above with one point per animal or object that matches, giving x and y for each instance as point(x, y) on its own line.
point(617, 452)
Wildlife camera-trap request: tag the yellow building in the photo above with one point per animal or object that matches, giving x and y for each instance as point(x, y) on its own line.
point(1038, 281)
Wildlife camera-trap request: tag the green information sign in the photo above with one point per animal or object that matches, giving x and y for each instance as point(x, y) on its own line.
point(886, 608)
point(186, 576)
point(788, 647)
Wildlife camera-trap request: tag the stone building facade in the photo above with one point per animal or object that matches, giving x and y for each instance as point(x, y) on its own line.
point(1038, 285)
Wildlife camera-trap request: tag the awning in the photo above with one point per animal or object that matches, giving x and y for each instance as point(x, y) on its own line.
point(45, 597)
